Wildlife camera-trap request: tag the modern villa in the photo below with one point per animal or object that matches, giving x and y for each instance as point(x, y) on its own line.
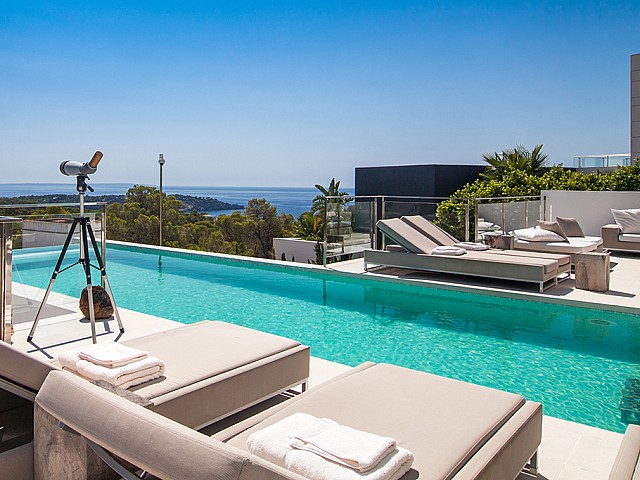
point(502, 345)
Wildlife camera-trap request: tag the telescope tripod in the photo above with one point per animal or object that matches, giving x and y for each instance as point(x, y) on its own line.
point(86, 234)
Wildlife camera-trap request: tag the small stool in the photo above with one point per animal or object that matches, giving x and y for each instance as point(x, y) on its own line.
point(592, 271)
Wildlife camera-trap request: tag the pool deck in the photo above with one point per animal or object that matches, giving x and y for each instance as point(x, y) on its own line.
point(569, 451)
point(623, 294)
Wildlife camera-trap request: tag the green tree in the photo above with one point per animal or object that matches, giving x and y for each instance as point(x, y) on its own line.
point(518, 159)
point(267, 225)
point(242, 233)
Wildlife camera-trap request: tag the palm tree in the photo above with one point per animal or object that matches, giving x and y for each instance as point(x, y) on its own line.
point(517, 159)
point(332, 191)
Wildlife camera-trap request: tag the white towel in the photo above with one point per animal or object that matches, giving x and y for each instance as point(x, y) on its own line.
point(473, 246)
point(273, 444)
point(446, 250)
point(356, 449)
point(126, 376)
point(111, 354)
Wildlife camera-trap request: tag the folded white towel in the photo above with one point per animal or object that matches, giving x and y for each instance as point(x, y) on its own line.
point(473, 246)
point(273, 444)
point(356, 449)
point(126, 376)
point(446, 250)
point(111, 354)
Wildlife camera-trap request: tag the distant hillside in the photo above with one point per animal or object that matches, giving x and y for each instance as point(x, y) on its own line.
point(189, 203)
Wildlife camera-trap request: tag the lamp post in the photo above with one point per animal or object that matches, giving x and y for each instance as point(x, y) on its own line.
point(161, 162)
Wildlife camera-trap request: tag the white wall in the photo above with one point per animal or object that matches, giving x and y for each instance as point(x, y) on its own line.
point(304, 251)
point(591, 209)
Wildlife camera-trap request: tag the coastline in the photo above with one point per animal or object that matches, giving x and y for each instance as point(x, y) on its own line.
point(292, 200)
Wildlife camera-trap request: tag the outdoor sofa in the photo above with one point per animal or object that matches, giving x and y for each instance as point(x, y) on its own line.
point(213, 369)
point(505, 265)
point(572, 246)
point(614, 239)
point(563, 235)
point(455, 430)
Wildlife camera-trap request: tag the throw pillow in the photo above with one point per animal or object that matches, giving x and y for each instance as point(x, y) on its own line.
point(535, 234)
point(552, 227)
point(488, 226)
point(569, 226)
point(629, 220)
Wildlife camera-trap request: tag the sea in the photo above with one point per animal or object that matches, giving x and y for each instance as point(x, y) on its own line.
point(293, 200)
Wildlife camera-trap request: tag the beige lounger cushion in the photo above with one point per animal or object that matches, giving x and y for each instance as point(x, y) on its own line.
point(429, 229)
point(214, 368)
point(444, 422)
point(23, 369)
point(563, 260)
point(407, 236)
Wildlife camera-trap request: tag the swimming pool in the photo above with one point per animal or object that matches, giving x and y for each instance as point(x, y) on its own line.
point(573, 360)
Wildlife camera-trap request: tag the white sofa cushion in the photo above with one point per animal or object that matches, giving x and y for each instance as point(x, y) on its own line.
point(536, 234)
point(629, 237)
point(629, 220)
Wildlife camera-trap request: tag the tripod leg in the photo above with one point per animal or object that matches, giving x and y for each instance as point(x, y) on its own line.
point(56, 270)
point(103, 272)
point(84, 259)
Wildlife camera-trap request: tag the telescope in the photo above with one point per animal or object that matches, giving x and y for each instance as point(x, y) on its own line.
point(71, 168)
point(81, 172)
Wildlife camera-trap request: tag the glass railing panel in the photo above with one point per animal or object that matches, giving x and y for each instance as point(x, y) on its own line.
point(452, 221)
point(47, 225)
point(348, 227)
point(498, 215)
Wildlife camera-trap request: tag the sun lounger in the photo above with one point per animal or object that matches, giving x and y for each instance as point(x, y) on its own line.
point(454, 429)
point(213, 369)
point(537, 269)
point(441, 237)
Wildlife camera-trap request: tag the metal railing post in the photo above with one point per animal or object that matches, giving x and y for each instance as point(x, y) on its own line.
point(103, 243)
point(504, 218)
point(475, 222)
point(324, 249)
point(466, 221)
point(6, 246)
point(372, 223)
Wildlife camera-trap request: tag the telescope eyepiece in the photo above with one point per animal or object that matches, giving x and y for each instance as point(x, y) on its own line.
point(95, 160)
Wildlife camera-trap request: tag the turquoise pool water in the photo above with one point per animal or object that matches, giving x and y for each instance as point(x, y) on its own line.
point(573, 360)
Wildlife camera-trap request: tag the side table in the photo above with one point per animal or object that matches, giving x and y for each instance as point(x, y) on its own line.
point(592, 271)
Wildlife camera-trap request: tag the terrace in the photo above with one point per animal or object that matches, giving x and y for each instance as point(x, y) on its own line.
point(569, 450)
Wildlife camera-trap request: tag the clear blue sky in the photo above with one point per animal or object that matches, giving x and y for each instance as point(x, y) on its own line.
point(293, 93)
